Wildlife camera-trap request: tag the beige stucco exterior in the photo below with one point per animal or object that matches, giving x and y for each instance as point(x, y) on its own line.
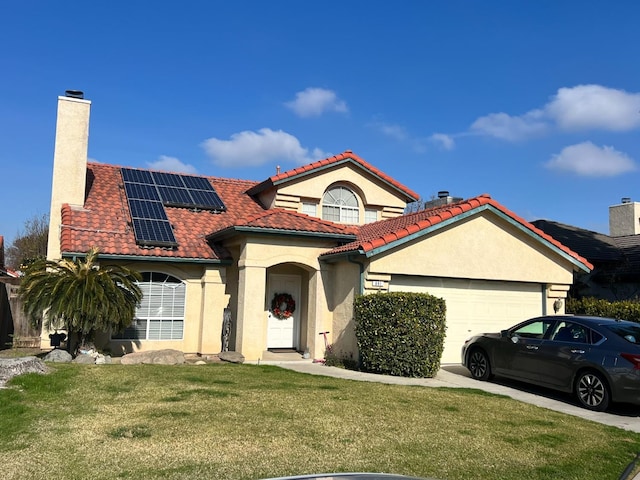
point(371, 192)
point(481, 246)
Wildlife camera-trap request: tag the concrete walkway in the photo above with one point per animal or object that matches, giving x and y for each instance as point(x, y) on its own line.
point(626, 417)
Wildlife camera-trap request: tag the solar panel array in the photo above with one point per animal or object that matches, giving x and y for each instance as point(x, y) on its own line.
point(148, 193)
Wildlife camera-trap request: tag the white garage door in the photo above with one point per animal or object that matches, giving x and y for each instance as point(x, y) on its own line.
point(475, 306)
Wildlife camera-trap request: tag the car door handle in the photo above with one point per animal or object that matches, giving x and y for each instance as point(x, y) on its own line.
point(577, 351)
point(532, 347)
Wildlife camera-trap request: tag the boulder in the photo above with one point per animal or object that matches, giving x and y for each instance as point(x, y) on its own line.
point(59, 356)
point(84, 359)
point(10, 367)
point(232, 357)
point(157, 357)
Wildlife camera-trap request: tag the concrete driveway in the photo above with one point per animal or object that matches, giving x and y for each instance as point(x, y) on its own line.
point(456, 376)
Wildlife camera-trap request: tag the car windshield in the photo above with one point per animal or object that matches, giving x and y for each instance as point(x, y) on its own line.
point(630, 332)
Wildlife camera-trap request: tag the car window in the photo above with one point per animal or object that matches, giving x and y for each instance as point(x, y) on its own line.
point(629, 332)
point(571, 332)
point(535, 329)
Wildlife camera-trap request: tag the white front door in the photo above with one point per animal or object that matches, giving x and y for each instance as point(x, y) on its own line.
point(283, 332)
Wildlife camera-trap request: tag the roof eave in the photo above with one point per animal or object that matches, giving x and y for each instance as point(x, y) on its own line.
point(236, 230)
point(150, 258)
point(270, 182)
point(383, 248)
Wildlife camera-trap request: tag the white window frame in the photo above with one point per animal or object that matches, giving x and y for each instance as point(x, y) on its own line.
point(340, 204)
point(310, 209)
point(370, 215)
point(160, 315)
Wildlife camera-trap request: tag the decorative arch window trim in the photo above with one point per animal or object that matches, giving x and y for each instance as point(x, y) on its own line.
point(160, 315)
point(341, 204)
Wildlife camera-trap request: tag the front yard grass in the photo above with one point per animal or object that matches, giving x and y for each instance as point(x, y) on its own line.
point(224, 421)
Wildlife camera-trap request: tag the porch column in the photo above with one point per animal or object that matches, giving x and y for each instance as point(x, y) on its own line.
point(319, 316)
point(251, 327)
point(214, 301)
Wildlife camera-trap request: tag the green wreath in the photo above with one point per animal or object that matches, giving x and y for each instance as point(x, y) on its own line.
point(283, 305)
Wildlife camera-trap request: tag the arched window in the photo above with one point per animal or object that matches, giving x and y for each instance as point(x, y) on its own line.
point(339, 204)
point(160, 315)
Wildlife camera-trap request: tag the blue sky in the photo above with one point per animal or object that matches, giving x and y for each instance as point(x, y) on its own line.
point(536, 103)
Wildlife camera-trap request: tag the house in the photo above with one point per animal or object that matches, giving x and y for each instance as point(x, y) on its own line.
point(615, 257)
point(15, 330)
point(211, 248)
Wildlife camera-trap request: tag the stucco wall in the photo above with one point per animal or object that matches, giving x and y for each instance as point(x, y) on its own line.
point(371, 192)
point(482, 247)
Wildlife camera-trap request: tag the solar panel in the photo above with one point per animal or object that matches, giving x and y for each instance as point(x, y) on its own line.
point(168, 179)
point(137, 176)
point(199, 183)
point(175, 197)
point(141, 191)
point(149, 192)
point(147, 209)
point(156, 233)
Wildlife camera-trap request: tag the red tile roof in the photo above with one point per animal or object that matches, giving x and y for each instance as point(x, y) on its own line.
point(282, 221)
point(105, 220)
point(345, 157)
point(385, 232)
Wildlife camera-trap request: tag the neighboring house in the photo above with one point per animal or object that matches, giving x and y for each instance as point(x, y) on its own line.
point(615, 257)
point(322, 233)
point(14, 329)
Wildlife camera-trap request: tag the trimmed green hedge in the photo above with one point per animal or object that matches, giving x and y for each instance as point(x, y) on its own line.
point(622, 310)
point(400, 334)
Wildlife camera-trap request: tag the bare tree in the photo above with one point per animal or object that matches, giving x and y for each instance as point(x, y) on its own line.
point(31, 244)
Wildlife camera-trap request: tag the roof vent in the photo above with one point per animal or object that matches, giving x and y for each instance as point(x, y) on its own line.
point(443, 194)
point(74, 93)
point(626, 200)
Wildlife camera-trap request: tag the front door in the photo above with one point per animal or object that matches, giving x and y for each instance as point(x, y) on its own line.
point(283, 332)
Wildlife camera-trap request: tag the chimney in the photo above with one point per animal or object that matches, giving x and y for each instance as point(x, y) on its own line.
point(69, 162)
point(624, 218)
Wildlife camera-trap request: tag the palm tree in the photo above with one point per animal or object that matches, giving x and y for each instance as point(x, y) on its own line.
point(80, 295)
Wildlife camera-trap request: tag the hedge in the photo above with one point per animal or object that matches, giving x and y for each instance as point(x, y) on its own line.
point(400, 334)
point(626, 309)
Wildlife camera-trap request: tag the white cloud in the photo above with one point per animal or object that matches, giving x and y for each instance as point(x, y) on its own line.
point(445, 141)
point(589, 160)
point(595, 107)
point(506, 127)
point(583, 107)
point(171, 164)
point(313, 102)
point(397, 132)
point(250, 148)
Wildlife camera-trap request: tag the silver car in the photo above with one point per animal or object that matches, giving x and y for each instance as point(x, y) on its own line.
point(595, 358)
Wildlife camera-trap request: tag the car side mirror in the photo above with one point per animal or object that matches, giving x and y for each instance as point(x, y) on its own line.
point(504, 333)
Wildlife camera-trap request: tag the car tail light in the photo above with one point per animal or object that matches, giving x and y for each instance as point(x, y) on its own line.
point(633, 358)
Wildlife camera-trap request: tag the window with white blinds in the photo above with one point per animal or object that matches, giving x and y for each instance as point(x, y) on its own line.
point(160, 315)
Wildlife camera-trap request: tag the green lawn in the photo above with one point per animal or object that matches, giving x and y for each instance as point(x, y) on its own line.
point(224, 421)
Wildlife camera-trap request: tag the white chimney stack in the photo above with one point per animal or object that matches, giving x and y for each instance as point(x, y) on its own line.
point(69, 162)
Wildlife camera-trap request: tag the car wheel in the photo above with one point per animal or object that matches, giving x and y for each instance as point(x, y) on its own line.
point(478, 365)
point(592, 391)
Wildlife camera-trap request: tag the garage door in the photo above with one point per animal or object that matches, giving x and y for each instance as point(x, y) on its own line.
point(475, 306)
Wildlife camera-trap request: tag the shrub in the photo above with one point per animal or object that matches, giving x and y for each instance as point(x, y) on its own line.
point(625, 309)
point(400, 334)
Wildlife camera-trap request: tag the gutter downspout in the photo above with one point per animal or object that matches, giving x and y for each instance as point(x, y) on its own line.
point(361, 278)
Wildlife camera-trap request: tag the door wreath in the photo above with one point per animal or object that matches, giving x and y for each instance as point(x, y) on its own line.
point(283, 305)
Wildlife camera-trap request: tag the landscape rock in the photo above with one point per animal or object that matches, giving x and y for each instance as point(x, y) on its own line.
point(232, 357)
point(157, 357)
point(84, 359)
point(59, 356)
point(10, 367)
